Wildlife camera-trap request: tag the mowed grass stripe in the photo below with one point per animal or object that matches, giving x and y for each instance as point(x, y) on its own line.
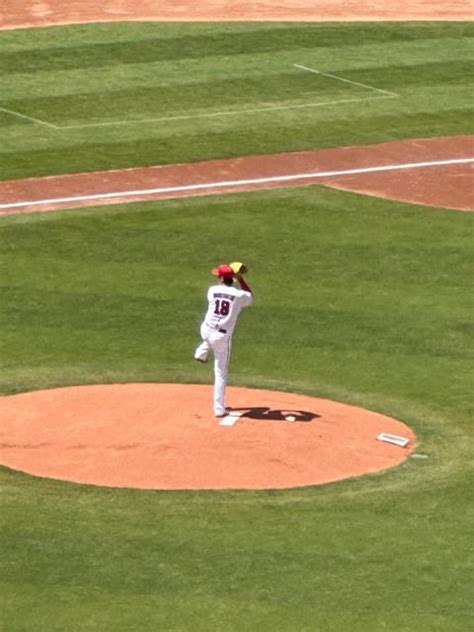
point(210, 73)
point(313, 125)
point(363, 57)
point(233, 94)
point(66, 36)
point(436, 337)
point(361, 105)
point(188, 99)
point(202, 86)
point(273, 39)
point(87, 149)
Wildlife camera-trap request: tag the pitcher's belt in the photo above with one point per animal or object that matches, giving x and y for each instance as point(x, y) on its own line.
point(221, 331)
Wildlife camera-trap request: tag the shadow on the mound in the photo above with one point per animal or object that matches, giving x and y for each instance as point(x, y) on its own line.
point(264, 413)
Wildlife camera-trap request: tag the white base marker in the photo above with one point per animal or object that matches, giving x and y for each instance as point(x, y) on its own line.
point(395, 439)
point(232, 418)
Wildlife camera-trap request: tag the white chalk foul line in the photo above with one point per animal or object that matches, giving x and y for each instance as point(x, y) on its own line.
point(236, 183)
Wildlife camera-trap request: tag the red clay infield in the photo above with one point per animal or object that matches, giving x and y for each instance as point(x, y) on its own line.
point(163, 436)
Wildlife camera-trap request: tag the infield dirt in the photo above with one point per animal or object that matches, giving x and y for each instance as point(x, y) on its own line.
point(19, 13)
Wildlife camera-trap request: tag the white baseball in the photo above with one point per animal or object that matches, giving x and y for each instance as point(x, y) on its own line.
point(290, 418)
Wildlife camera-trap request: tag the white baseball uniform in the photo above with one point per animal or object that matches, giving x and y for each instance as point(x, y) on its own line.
point(224, 305)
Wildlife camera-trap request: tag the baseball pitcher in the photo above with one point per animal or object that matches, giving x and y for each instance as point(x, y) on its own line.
point(224, 305)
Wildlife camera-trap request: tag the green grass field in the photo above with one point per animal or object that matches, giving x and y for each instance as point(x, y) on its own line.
point(138, 94)
point(358, 299)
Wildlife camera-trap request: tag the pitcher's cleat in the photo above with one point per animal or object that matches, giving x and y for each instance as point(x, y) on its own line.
point(223, 414)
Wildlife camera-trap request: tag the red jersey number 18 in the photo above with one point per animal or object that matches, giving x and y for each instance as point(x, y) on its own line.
point(221, 308)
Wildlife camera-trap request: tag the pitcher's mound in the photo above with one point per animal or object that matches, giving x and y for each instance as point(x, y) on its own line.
point(164, 436)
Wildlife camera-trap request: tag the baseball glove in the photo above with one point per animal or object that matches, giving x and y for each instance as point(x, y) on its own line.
point(238, 267)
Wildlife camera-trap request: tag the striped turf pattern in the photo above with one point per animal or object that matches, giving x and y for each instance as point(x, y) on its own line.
point(102, 96)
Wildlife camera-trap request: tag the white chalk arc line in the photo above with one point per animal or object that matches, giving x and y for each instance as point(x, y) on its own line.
point(237, 183)
point(353, 83)
point(383, 94)
point(270, 108)
point(29, 118)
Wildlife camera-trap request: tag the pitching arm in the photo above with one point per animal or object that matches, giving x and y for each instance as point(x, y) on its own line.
point(243, 283)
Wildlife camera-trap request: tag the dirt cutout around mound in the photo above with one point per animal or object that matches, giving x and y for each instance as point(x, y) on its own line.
point(24, 13)
point(436, 171)
point(164, 436)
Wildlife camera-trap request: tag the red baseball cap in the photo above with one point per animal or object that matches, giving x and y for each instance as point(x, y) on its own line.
point(224, 270)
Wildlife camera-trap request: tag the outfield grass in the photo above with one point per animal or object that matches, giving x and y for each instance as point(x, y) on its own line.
point(361, 300)
point(116, 95)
